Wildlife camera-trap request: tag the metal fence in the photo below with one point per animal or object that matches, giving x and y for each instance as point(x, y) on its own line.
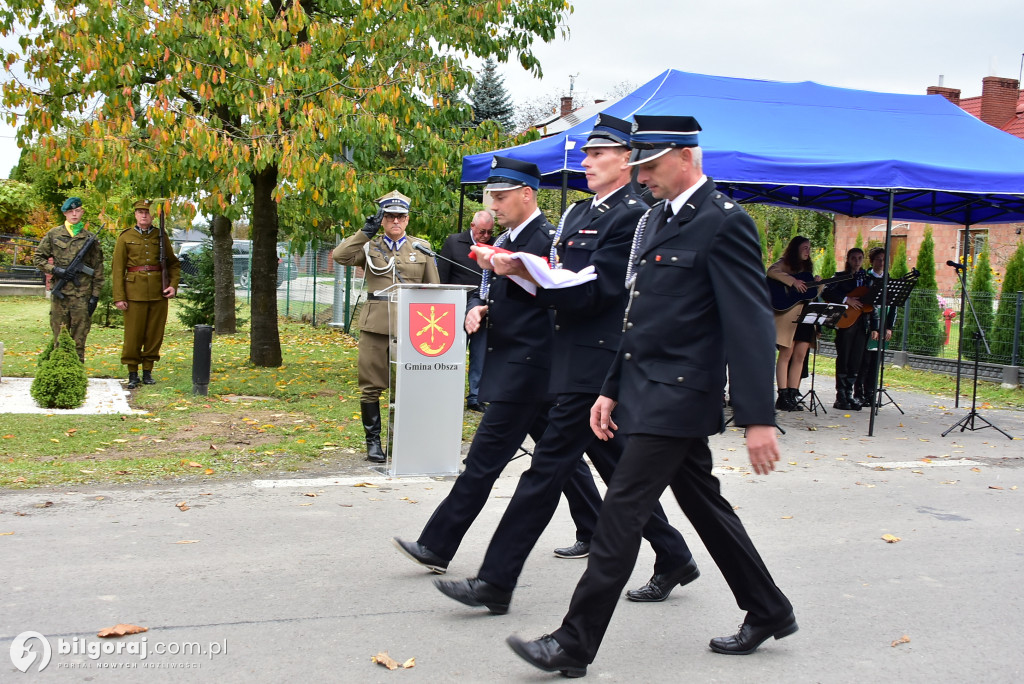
point(16, 261)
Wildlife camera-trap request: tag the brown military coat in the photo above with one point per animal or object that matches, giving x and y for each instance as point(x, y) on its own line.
point(409, 266)
point(138, 249)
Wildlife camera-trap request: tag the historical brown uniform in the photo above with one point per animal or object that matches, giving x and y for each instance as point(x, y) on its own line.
point(409, 266)
point(136, 278)
point(71, 311)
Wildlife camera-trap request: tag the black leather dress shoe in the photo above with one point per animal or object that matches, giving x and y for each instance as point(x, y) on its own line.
point(547, 654)
point(750, 637)
point(580, 549)
point(660, 586)
point(476, 592)
point(422, 555)
point(476, 406)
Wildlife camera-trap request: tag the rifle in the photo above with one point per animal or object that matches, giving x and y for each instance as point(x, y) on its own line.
point(165, 277)
point(75, 268)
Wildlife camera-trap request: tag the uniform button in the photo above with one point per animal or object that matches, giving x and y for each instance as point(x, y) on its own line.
point(528, 358)
point(629, 324)
point(679, 379)
point(558, 327)
point(490, 301)
point(634, 294)
point(643, 261)
point(675, 258)
point(600, 341)
point(490, 349)
point(627, 356)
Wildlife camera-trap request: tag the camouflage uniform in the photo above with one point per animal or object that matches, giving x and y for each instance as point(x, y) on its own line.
point(71, 311)
point(135, 274)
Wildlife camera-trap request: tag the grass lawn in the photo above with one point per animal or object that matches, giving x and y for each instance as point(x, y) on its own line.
point(301, 416)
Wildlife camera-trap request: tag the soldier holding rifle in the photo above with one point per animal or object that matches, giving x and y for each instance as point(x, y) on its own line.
point(77, 271)
point(145, 275)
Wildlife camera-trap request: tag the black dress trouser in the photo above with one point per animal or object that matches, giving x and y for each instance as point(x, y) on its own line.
point(649, 464)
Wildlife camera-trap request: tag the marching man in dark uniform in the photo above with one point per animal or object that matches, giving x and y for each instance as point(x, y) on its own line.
point(387, 259)
point(456, 248)
point(595, 232)
point(77, 271)
point(138, 277)
point(697, 299)
point(515, 378)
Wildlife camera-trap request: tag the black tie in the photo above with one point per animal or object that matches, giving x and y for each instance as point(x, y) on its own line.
point(666, 216)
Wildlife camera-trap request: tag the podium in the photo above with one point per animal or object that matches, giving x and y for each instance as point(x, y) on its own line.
point(428, 363)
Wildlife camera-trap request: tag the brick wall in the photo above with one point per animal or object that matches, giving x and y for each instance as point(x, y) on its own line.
point(998, 100)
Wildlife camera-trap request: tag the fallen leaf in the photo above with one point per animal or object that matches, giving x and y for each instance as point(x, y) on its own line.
point(310, 494)
point(864, 484)
point(8, 436)
point(120, 441)
point(208, 471)
point(87, 472)
point(364, 484)
point(787, 517)
point(193, 464)
point(71, 431)
point(187, 541)
point(411, 662)
point(902, 640)
point(890, 539)
point(213, 447)
point(45, 504)
point(792, 462)
point(121, 630)
point(384, 659)
point(994, 487)
point(19, 479)
point(6, 534)
point(183, 506)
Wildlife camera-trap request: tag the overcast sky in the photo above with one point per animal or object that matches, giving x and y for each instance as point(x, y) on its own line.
point(899, 46)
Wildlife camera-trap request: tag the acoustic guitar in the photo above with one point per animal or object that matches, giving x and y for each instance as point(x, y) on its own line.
point(785, 297)
point(851, 315)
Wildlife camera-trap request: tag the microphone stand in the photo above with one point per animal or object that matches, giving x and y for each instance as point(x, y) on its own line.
point(431, 253)
point(967, 422)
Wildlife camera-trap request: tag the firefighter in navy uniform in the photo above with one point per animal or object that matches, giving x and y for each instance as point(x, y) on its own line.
point(387, 259)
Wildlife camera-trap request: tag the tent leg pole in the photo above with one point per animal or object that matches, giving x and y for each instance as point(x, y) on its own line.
point(882, 313)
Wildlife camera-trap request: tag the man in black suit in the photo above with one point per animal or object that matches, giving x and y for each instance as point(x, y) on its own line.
point(593, 232)
point(456, 249)
point(697, 298)
point(515, 377)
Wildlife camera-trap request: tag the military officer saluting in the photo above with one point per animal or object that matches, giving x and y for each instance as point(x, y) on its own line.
point(139, 292)
point(387, 259)
point(77, 271)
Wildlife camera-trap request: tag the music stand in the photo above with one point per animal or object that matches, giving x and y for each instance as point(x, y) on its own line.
point(897, 295)
point(818, 314)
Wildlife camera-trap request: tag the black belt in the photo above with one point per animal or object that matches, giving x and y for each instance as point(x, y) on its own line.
point(378, 298)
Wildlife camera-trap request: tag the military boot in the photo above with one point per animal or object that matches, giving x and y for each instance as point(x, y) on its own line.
point(133, 379)
point(371, 426)
point(147, 377)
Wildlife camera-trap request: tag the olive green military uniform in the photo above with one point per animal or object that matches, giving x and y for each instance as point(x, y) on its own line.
point(135, 273)
point(409, 266)
point(73, 310)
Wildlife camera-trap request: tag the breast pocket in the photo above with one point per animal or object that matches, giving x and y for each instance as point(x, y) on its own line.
point(671, 269)
point(578, 252)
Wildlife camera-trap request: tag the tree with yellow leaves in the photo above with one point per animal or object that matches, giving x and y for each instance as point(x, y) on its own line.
point(328, 103)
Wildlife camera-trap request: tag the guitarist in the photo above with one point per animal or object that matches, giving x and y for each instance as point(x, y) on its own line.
point(792, 339)
point(850, 342)
point(864, 389)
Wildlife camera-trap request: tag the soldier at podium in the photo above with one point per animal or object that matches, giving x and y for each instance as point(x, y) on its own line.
point(387, 259)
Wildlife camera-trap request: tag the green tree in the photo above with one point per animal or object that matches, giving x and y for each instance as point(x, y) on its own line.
point(859, 242)
point(828, 264)
point(926, 332)
point(1002, 337)
point(17, 202)
point(899, 266)
point(982, 293)
point(247, 104)
point(60, 381)
point(490, 99)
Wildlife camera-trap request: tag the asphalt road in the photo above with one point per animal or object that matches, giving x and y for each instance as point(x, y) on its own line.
point(284, 586)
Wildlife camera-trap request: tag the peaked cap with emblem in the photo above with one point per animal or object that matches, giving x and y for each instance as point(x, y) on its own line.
point(143, 204)
point(394, 203)
point(653, 136)
point(510, 174)
point(608, 132)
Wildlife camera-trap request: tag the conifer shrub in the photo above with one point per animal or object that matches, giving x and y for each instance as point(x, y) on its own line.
point(60, 382)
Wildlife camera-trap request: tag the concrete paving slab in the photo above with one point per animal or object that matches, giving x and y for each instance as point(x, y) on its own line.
point(103, 395)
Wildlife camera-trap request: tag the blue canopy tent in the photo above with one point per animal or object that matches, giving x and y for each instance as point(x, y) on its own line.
point(852, 152)
point(818, 147)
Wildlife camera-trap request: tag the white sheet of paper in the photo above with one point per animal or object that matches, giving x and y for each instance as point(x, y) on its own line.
point(547, 277)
